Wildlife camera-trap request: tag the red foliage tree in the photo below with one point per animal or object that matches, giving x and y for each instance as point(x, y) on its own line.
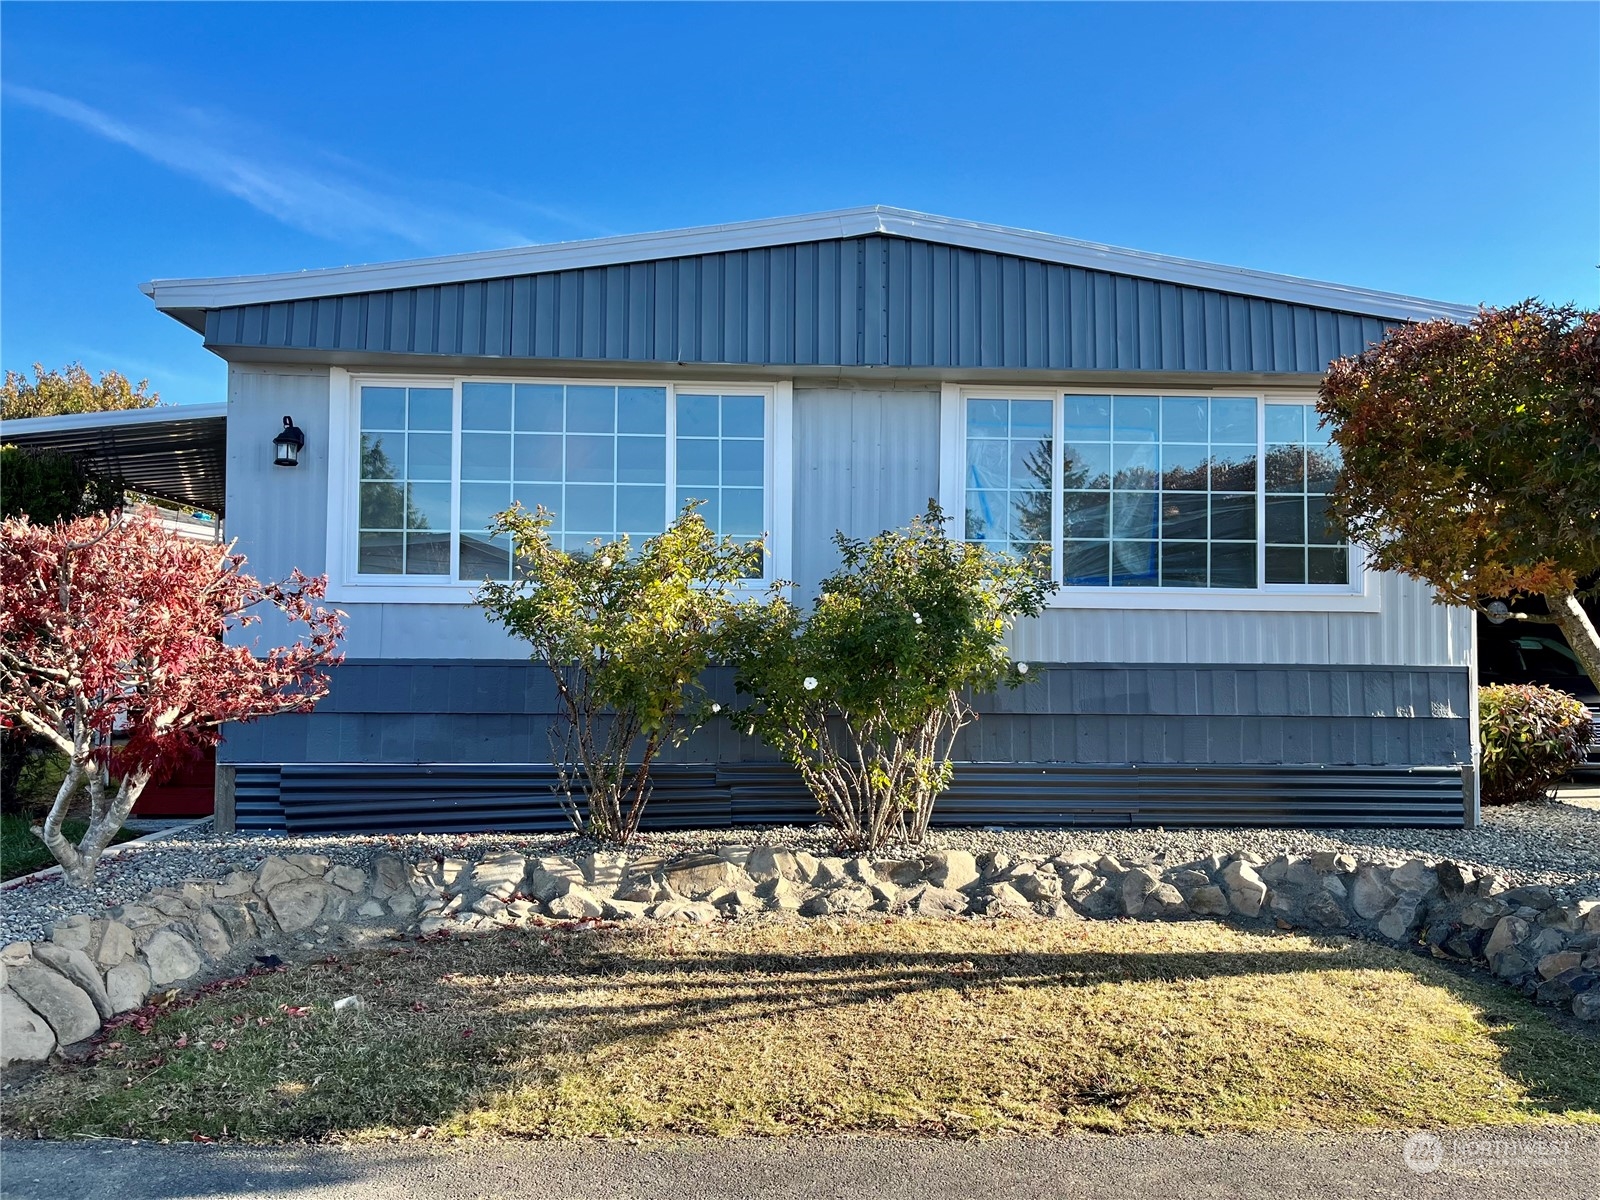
point(114, 647)
point(1472, 459)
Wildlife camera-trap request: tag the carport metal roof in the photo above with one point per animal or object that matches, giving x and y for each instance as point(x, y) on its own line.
point(175, 452)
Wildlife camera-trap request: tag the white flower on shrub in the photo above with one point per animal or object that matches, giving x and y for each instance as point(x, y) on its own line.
point(716, 708)
point(605, 563)
point(1022, 668)
point(810, 683)
point(917, 617)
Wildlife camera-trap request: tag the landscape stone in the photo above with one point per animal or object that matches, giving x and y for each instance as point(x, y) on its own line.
point(370, 908)
point(782, 893)
point(698, 874)
point(1413, 875)
point(685, 912)
point(848, 900)
point(1586, 1005)
point(576, 904)
point(1075, 858)
point(1507, 933)
point(1561, 989)
point(170, 958)
point(926, 900)
point(1401, 919)
point(1536, 897)
point(951, 870)
point(127, 986)
point(767, 863)
point(1324, 910)
point(603, 871)
point(296, 906)
point(214, 939)
point(623, 910)
point(25, 1036)
point(236, 919)
point(1246, 889)
point(276, 872)
point(1333, 861)
point(391, 875)
point(236, 883)
point(1483, 912)
point(111, 943)
point(805, 866)
point(902, 872)
point(1135, 886)
point(830, 872)
point(1454, 879)
point(1100, 900)
point(67, 1008)
point(347, 879)
point(1209, 901)
point(76, 967)
point(71, 934)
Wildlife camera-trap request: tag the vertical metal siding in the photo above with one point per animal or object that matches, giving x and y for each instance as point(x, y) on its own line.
point(1409, 629)
point(864, 461)
point(871, 301)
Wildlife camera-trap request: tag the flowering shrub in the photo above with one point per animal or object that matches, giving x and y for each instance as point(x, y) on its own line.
point(626, 633)
point(1532, 736)
point(865, 693)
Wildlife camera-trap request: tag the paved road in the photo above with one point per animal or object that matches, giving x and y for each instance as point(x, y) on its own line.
point(1502, 1165)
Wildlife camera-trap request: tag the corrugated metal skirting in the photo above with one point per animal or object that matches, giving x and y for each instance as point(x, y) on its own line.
point(460, 798)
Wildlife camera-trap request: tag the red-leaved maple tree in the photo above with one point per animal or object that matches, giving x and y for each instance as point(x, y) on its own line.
point(115, 646)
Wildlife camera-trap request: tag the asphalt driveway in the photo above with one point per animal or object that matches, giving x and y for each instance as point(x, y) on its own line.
point(1504, 1164)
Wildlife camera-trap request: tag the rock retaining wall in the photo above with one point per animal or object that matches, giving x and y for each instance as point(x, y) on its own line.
point(58, 992)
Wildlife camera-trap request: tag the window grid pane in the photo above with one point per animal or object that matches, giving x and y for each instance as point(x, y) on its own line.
point(1158, 491)
point(720, 446)
point(404, 499)
point(1301, 465)
point(1009, 486)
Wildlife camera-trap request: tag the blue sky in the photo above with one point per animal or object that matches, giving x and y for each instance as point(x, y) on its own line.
point(1445, 151)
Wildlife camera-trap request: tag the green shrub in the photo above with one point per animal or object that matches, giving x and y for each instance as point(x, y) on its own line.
point(865, 694)
point(626, 633)
point(1532, 736)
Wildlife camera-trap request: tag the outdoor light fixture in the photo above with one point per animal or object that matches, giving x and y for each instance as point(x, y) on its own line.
point(1497, 611)
point(287, 445)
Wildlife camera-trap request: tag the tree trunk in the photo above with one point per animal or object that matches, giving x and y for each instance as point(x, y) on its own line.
point(1579, 631)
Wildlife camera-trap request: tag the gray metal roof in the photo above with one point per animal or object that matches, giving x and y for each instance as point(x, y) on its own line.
point(189, 299)
point(176, 452)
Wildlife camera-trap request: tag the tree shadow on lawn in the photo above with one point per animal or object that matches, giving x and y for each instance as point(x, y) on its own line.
point(831, 1027)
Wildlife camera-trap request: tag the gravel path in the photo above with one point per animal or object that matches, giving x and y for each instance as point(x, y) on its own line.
point(1556, 844)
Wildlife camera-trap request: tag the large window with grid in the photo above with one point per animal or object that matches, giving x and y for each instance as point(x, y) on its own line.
point(1140, 491)
point(437, 462)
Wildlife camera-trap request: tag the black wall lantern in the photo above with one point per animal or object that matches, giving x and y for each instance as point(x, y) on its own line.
point(287, 445)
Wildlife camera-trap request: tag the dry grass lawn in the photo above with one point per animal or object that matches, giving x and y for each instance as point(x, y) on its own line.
point(946, 1028)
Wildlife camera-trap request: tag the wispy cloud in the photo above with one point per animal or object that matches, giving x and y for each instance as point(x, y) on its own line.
point(301, 186)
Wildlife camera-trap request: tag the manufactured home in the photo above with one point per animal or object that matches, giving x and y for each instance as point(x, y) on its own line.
point(1213, 654)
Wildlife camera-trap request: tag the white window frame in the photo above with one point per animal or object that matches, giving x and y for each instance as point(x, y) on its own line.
point(1360, 595)
point(347, 585)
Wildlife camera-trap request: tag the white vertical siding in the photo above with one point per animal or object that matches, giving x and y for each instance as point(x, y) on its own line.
point(1409, 630)
point(865, 461)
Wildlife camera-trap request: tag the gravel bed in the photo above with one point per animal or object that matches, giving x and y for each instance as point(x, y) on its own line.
point(1556, 844)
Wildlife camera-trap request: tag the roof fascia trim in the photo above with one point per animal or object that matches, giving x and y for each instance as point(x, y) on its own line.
point(173, 295)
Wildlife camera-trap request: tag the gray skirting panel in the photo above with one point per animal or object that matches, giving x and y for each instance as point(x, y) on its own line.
point(308, 798)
